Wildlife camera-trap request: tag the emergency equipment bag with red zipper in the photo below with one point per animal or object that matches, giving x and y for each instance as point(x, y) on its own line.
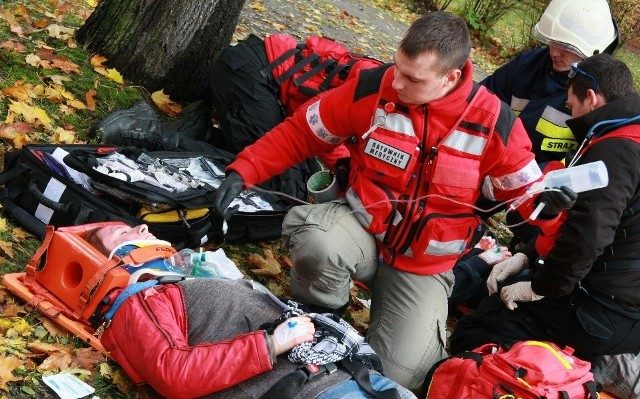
point(526, 370)
point(304, 70)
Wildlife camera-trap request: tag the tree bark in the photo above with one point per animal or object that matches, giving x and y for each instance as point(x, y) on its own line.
point(160, 44)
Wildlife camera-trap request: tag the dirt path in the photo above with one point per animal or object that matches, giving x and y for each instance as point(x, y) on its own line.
point(361, 27)
point(358, 24)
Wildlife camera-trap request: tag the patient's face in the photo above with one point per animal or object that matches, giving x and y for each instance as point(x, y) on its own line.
point(112, 236)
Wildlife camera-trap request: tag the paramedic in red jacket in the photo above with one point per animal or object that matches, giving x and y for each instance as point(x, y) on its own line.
point(424, 142)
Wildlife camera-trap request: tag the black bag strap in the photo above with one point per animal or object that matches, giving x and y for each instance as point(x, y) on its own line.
point(13, 172)
point(313, 71)
point(360, 373)
point(31, 223)
point(292, 383)
point(297, 67)
point(335, 71)
point(278, 61)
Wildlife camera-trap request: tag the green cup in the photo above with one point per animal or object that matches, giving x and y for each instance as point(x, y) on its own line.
point(323, 187)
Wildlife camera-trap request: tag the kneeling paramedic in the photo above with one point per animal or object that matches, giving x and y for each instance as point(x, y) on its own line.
point(425, 141)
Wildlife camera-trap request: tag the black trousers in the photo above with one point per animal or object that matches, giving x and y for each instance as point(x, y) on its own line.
point(576, 320)
point(246, 100)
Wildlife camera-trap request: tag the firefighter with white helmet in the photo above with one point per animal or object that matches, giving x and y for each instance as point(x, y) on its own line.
point(534, 82)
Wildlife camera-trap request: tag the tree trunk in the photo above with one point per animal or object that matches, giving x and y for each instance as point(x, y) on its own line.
point(160, 44)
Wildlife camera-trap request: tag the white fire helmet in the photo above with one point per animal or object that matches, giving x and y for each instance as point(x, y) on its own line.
point(584, 27)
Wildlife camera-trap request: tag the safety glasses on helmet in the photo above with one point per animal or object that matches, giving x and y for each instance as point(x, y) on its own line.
point(576, 70)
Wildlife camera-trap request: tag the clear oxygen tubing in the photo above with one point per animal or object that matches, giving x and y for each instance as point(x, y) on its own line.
point(513, 203)
point(610, 124)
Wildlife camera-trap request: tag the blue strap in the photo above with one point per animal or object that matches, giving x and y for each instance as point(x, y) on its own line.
point(125, 294)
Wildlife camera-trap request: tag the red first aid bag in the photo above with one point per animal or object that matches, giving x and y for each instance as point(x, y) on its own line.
point(529, 369)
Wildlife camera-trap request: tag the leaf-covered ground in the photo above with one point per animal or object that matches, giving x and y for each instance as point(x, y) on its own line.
point(52, 90)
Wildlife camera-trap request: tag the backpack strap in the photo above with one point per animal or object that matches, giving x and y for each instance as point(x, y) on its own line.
point(313, 71)
point(266, 71)
point(292, 383)
point(335, 71)
point(360, 373)
point(297, 67)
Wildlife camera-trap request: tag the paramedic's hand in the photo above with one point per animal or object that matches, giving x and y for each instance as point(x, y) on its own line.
point(505, 269)
point(230, 188)
point(557, 200)
point(292, 332)
point(495, 255)
point(518, 292)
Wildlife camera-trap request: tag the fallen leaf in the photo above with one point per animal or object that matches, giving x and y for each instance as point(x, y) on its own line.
point(88, 358)
point(90, 98)
point(122, 381)
point(265, 266)
point(7, 365)
point(52, 328)
point(47, 348)
point(65, 65)
point(20, 234)
point(30, 114)
point(11, 131)
point(15, 327)
point(61, 135)
point(165, 104)
point(105, 370)
point(46, 53)
point(18, 31)
point(59, 79)
point(12, 310)
point(71, 43)
point(60, 32)
point(97, 60)
point(13, 45)
point(19, 91)
point(76, 104)
point(56, 361)
point(114, 75)
point(6, 248)
point(36, 61)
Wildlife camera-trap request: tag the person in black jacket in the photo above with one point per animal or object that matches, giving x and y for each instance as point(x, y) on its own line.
point(586, 292)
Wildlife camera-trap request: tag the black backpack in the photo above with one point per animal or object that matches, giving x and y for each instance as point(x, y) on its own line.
point(42, 188)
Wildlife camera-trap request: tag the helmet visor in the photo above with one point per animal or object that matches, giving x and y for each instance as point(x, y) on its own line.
point(561, 45)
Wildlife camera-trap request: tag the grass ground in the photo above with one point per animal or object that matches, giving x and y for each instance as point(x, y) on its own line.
point(32, 43)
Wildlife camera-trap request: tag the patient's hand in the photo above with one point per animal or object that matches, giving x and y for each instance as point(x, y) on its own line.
point(292, 332)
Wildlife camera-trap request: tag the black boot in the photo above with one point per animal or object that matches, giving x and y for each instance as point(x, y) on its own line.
point(160, 139)
point(195, 121)
point(140, 116)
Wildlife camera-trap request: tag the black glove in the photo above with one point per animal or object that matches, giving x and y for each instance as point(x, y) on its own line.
point(557, 201)
point(228, 190)
point(341, 171)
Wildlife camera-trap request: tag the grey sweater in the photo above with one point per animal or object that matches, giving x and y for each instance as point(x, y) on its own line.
point(222, 309)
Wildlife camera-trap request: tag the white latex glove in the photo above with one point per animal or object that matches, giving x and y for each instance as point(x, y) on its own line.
point(518, 292)
point(505, 269)
point(495, 255)
point(292, 332)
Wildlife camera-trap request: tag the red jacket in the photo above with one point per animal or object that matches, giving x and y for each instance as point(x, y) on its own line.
point(423, 241)
point(148, 339)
